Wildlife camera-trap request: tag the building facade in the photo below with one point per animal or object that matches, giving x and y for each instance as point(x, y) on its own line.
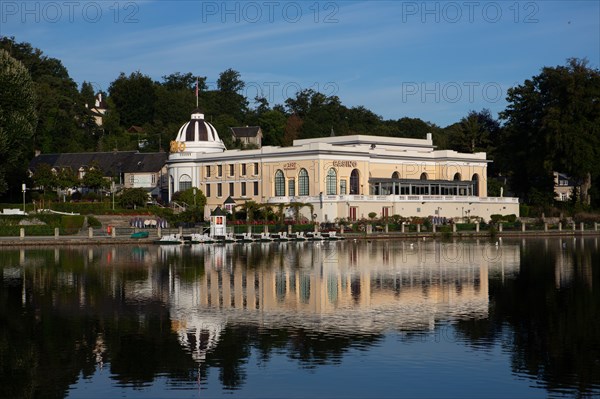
point(128, 169)
point(341, 177)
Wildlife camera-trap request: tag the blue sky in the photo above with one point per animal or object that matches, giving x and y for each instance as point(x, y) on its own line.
point(431, 60)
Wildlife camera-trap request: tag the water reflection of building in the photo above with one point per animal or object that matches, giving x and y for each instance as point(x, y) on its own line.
point(339, 286)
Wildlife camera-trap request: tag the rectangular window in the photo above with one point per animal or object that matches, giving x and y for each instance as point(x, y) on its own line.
point(243, 189)
point(255, 188)
point(153, 178)
point(208, 190)
point(231, 170)
point(219, 190)
point(255, 168)
point(231, 189)
point(207, 170)
point(342, 187)
point(243, 169)
point(185, 185)
point(292, 187)
point(219, 170)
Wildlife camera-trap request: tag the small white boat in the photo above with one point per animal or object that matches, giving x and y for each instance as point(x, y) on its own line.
point(280, 236)
point(262, 237)
point(170, 239)
point(297, 236)
point(314, 236)
point(197, 238)
point(244, 237)
point(228, 237)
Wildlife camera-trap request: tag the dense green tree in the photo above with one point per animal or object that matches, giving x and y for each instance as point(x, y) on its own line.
point(134, 98)
point(553, 123)
point(192, 196)
point(94, 178)
point(43, 177)
point(187, 81)
point(230, 81)
point(195, 200)
point(133, 197)
point(18, 118)
point(59, 106)
point(272, 123)
point(473, 132)
point(66, 178)
point(88, 96)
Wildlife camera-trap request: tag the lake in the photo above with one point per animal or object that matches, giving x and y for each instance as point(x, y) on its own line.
point(350, 319)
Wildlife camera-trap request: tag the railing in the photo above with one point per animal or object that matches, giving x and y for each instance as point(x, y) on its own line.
point(179, 207)
point(395, 198)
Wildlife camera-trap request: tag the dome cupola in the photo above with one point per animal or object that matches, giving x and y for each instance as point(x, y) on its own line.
point(198, 136)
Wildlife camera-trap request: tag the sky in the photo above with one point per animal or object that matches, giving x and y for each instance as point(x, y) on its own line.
point(430, 60)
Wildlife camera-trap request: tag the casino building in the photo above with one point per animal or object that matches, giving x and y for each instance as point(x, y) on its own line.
point(341, 177)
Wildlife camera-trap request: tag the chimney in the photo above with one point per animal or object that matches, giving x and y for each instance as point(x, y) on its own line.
point(429, 138)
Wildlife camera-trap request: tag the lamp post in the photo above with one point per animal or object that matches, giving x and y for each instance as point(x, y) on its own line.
point(24, 188)
point(112, 189)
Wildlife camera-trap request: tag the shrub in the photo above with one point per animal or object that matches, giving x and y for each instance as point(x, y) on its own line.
point(72, 222)
point(496, 218)
point(93, 222)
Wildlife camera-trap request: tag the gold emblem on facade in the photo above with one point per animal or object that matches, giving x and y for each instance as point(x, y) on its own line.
point(177, 146)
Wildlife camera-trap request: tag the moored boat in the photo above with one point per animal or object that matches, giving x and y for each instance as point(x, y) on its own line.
point(140, 234)
point(170, 239)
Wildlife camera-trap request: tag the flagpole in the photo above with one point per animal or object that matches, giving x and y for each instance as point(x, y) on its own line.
point(196, 92)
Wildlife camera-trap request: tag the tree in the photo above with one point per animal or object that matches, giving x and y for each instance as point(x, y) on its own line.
point(193, 197)
point(553, 123)
point(43, 177)
point(66, 178)
point(88, 96)
point(177, 81)
point(94, 178)
point(18, 117)
point(133, 197)
point(134, 98)
point(230, 82)
point(59, 106)
point(473, 133)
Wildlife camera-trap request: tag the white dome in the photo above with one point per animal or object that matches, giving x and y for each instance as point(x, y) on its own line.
point(199, 135)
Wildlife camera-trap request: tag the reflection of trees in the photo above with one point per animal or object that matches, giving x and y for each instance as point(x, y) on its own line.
point(54, 313)
point(309, 348)
point(554, 331)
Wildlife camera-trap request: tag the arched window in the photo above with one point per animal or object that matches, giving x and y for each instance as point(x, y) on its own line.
point(395, 175)
point(423, 176)
point(354, 182)
point(185, 182)
point(303, 182)
point(475, 180)
point(457, 177)
point(331, 183)
point(279, 183)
